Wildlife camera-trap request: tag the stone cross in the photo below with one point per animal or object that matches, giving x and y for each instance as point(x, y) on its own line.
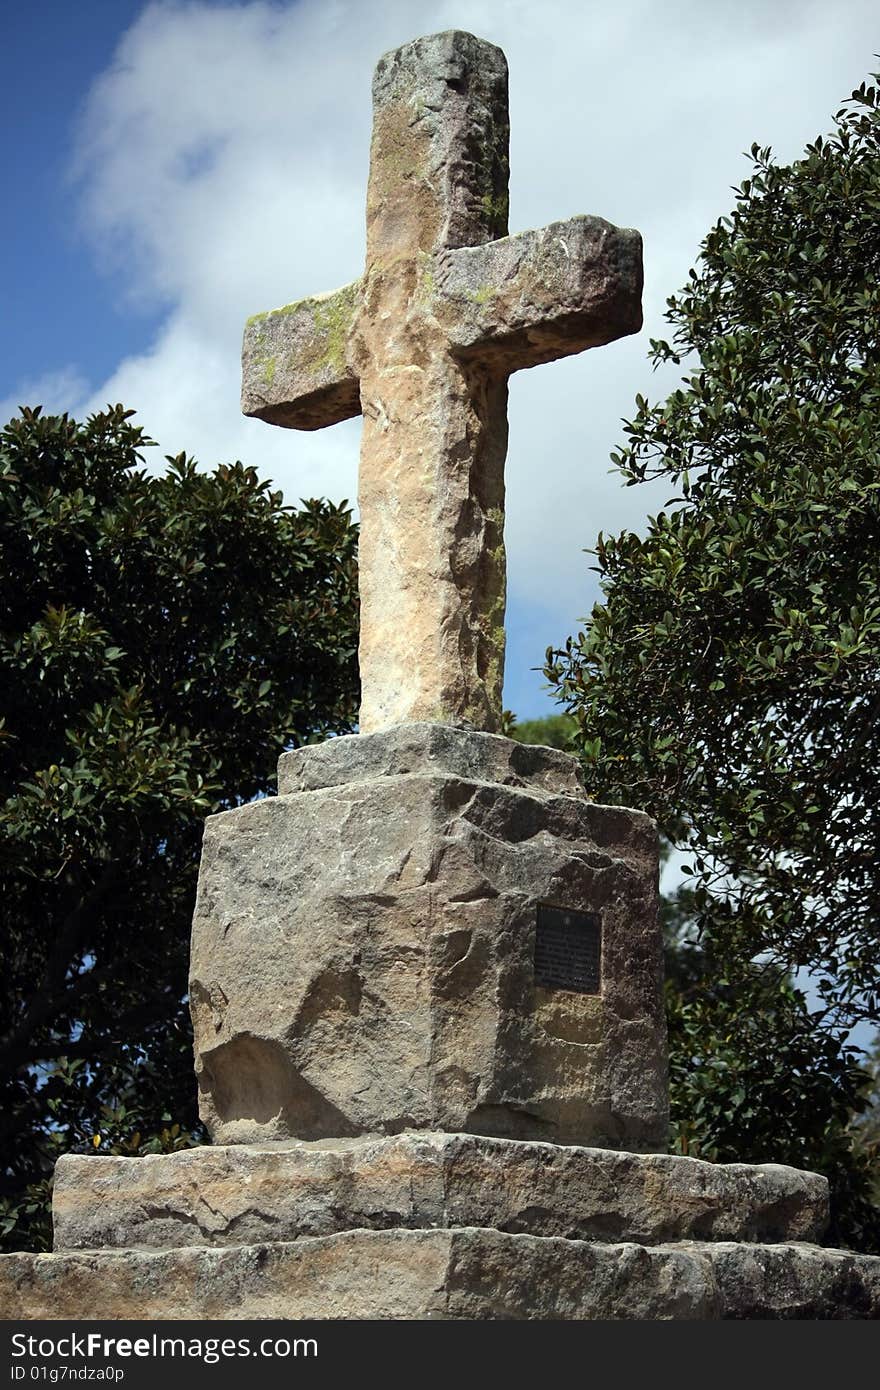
point(422, 346)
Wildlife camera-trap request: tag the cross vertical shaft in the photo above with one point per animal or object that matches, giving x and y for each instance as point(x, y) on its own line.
point(435, 429)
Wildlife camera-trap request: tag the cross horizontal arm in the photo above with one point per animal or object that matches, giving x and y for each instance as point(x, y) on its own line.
point(294, 362)
point(531, 298)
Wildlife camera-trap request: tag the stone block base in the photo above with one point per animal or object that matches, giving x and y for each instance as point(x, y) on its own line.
point(429, 928)
point(435, 1225)
point(459, 1273)
point(239, 1194)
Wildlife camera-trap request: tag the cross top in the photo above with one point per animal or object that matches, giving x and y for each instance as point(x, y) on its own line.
point(422, 346)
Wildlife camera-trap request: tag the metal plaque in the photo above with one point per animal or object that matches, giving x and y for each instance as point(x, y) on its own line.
point(568, 949)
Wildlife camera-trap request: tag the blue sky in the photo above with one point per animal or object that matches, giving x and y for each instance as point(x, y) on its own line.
point(174, 167)
point(58, 307)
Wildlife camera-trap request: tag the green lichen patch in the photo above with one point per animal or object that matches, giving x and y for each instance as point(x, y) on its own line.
point(333, 319)
point(483, 294)
point(426, 285)
point(496, 209)
point(272, 313)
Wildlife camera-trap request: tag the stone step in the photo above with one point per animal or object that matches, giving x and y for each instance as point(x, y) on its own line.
point(456, 1273)
point(238, 1194)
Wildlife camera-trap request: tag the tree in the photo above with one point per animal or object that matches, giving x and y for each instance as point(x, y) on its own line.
point(729, 681)
point(551, 730)
point(162, 640)
point(866, 1128)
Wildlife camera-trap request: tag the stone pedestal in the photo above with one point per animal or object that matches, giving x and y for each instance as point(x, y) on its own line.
point(426, 987)
point(430, 928)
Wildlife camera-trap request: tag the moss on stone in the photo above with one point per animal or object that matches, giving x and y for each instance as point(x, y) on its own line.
point(270, 313)
point(496, 207)
point(322, 340)
point(484, 293)
point(427, 282)
point(333, 318)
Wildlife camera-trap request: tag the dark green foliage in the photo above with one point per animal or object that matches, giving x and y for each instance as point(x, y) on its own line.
point(730, 681)
point(162, 640)
point(552, 731)
point(752, 1078)
point(866, 1128)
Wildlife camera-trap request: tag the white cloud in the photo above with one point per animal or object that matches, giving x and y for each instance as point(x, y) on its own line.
point(223, 164)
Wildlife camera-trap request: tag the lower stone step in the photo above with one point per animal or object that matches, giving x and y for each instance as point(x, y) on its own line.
point(244, 1194)
point(453, 1273)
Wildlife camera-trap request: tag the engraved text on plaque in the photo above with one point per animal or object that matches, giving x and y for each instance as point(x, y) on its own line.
point(568, 948)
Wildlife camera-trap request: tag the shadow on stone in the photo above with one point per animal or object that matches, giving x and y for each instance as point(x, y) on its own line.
point(253, 1083)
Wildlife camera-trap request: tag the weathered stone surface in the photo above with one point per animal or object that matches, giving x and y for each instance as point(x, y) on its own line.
point(363, 957)
point(465, 1273)
point(432, 748)
point(541, 295)
point(240, 1194)
point(447, 308)
point(294, 368)
point(431, 490)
